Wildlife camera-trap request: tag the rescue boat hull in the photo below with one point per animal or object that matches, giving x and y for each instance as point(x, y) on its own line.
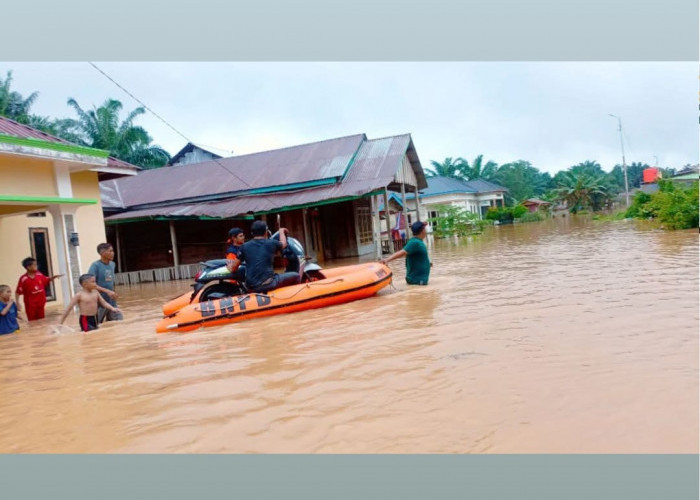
point(340, 285)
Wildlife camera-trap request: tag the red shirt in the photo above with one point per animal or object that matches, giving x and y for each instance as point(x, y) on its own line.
point(33, 289)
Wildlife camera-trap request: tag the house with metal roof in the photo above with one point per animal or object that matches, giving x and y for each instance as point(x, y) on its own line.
point(192, 153)
point(326, 193)
point(475, 196)
point(50, 204)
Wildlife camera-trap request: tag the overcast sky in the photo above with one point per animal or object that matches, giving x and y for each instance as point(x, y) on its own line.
point(552, 114)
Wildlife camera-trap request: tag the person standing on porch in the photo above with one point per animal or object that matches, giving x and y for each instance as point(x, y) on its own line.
point(417, 262)
point(103, 270)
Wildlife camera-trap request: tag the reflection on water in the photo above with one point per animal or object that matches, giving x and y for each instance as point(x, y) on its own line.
point(565, 336)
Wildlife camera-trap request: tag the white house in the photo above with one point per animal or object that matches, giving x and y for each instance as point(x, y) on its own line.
point(475, 196)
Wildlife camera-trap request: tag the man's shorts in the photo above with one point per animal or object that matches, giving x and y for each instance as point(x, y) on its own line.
point(108, 315)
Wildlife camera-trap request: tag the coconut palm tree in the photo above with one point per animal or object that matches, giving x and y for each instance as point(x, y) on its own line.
point(448, 168)
point(581, 190)
point(12, 104)
point(480, 170)
point(100, 128)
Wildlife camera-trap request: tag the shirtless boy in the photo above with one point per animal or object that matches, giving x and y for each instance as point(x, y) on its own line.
point(87, 301)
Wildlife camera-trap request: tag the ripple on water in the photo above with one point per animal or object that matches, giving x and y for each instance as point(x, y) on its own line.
point(565, 336)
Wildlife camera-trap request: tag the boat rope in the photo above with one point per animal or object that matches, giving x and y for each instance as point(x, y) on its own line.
point(307, 285)
point(276, 296)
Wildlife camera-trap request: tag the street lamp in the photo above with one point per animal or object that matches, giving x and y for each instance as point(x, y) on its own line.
point(624, 165)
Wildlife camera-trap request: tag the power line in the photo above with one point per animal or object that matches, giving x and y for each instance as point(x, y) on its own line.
point(163, 120)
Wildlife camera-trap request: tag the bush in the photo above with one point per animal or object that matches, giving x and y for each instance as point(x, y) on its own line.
point(518, 211)
point(531, 217)
point(507, 214)
point(455, 221)
point(676, 207)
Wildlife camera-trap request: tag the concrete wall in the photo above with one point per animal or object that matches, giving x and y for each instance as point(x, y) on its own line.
point(30, 177)
point(14, 232)
point(88, 218)
point(23, 176)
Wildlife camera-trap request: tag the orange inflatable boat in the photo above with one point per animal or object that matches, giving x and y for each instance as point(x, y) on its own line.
point(339, 285)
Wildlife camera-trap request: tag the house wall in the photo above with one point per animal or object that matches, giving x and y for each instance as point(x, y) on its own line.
point(34, 177)
point(25, 176)
point(473, 202)
point(194, 156)
point(339, 238)
point(89, 222)
point(14, 232)
point(147, 244)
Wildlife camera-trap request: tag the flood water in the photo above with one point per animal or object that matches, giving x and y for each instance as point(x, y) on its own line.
point(567, 336)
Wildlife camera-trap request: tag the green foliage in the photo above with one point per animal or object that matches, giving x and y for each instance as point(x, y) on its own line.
point(618, 215)
point(522, 180)
point(454, 220)
point(506, 214)
point(634, 175)
point(639, 209)
point(480, 170)
point(448, 168)
point(675, 206)
point(531, 217)
point(14, 105)
point(581, 187)
point(101, 128)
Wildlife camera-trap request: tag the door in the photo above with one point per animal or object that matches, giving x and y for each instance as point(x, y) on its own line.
point(39, 242)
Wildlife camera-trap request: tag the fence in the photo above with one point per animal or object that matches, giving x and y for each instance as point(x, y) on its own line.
point(186, 271)
point(395, 244)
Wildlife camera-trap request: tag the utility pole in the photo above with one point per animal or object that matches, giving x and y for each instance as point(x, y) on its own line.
point(624, 165)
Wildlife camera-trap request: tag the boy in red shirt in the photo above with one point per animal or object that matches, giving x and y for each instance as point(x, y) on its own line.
point(32, 285)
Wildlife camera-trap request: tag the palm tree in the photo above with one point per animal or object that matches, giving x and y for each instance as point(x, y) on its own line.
point(100, 128)
point(12, 104)
point(480, 170)
point(581, 190)
point(448, 168)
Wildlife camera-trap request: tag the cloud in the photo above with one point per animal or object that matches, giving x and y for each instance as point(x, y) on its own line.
point(551, 114)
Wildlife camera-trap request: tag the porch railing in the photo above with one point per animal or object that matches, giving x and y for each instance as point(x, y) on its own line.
point(396, 245)
point(186, 271)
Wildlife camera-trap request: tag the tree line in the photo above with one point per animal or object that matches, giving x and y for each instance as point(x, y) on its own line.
point(99, 127)
point(582, 186)
point(585, 185)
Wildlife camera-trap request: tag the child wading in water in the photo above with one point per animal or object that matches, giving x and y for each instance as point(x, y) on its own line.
point(32, 285)
point(8, 311)
point(87, 301)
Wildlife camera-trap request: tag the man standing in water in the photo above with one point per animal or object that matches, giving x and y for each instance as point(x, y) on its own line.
point(417, 262)
point(103, 270)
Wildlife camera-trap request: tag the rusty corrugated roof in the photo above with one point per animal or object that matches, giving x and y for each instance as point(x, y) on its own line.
point(16, 129)
point(302, 164)
point(245, 205)
point(372, 169)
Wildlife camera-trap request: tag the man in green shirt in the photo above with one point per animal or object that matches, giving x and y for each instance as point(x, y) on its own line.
point(417, 262)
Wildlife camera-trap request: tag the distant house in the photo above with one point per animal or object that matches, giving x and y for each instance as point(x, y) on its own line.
point(327, 193)
point(192, 153)
point(475, 196)
point(50, 204)
point(687, 175)
point(535, 204)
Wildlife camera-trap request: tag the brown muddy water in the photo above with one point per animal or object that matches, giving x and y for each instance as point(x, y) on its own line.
point(568, 336)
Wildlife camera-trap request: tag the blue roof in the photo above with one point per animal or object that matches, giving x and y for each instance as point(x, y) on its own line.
point(445, 185)
point(392, 196)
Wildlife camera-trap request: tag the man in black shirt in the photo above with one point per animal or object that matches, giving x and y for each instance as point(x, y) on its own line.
point(258, 255)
